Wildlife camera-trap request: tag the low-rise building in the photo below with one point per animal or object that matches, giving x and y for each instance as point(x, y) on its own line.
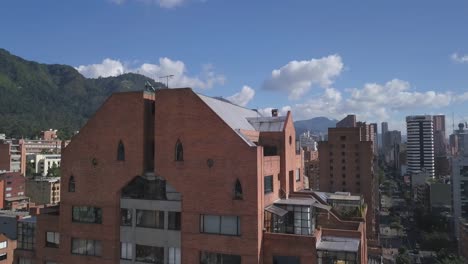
point(7, 248)
point(12, 187)
point(43, 190)
point(12, 156)
point(43, 162)
point(463, 242)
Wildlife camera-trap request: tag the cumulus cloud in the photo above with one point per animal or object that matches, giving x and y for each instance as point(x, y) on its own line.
point(459, 58)
point(109, 67)
point(281, 111)
point(298, 77)
point(243, 97)
point(161, 3)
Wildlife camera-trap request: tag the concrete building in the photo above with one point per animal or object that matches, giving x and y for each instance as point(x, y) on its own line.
point(384, 126)
point(440, 195)
point(43, 162)
point(39, 146)
point(376, 136)
point(420, 144)
point(311, 169)
point(43, 190)
point(306, 140)
point(459, 189)
point(49, 134)
point(12, 156)
point(178, 177)
point(346, 163)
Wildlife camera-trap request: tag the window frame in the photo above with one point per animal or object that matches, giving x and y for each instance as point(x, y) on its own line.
point(178, 220)
point(55, 243)
point(220, 225)
point(268, 179)
point(159, 219)
point(87, 242)
point(128, 246)
point(81, 209)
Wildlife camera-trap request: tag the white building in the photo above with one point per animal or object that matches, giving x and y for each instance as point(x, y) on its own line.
point(307, 140)
point(43, 162)
point(420, 144)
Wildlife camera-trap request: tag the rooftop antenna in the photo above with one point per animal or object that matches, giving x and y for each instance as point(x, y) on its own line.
point(167, 77)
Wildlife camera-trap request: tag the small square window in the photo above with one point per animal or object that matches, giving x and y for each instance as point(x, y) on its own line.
point(343, 137)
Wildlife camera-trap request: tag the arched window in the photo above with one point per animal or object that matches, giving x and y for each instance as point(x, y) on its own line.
point(238, 191)
point(121, 151)
point(71, 184)
point(179, 151)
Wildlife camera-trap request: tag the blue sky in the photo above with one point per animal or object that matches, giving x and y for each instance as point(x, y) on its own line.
point(381, 60)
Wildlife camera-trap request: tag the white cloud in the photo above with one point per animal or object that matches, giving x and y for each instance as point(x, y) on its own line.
point(161, 3)
point(459, 58)
point(298, 77)
point(243, 97)
point(109, 67)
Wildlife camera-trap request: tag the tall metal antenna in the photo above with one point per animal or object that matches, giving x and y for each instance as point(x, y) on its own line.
point(167, 77)
point(453, 123)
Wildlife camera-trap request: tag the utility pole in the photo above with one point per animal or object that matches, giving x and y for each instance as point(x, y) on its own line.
point(167, 77)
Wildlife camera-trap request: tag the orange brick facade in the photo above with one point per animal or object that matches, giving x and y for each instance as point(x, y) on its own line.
point(215, 157)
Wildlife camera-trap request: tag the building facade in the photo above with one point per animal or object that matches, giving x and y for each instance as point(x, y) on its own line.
point(43, 190)
point(43, 162)
point(12, 156)
point(12, 185)
point(420, 144)
point(346, 163)
point(178, 177)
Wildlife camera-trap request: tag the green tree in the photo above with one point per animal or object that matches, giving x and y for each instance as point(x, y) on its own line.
point(403, 256)
point(54, 171)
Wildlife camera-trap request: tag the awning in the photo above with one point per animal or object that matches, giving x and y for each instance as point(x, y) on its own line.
point(330, 243)
point(276, 210)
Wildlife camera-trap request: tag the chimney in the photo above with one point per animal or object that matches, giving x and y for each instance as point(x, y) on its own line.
point(274, 112)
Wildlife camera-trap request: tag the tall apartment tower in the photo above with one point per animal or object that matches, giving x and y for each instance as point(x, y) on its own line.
point(376, 137)
point(420, 144)
point(384, 136)
point(175, 177)
point(346, 163)
point(440, 141)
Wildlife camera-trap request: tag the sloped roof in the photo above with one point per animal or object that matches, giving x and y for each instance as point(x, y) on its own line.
point(268, 124)
point(233, 115)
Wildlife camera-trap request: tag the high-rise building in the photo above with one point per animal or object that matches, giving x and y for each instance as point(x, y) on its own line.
point(440, 142)
point(420, 144)
point(384, 136)
point(346, 163)
point(178, 177)
point(376, 137)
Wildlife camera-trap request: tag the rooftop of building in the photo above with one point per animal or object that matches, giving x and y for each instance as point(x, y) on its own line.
point(46, 179)
point(10, 213)
point(332, 243)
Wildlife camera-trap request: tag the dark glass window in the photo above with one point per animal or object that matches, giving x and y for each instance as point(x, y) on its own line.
point(174, 220)
point(238, 195)
point(126, 217)
point(86, 247)
point(3, 256)
point(149, 218)
point(298, 219)
point(71, 184)
point(52, 239)
point(220, 224)
point(121, 151)
point(218, 258)
point(26, 235)
point(286, 260)
point(343, 138)
point(268, 182)
point(149, 254)
point(87, 214)
point(179, 151)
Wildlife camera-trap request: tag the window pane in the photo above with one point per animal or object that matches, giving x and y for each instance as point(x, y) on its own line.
point(149, 254)
point(229, 225)
point(152, 219)
point(174, 221)
point(211, 224)
point(126, 217)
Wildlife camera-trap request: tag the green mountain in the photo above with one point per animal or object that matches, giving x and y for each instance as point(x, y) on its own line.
point(35, 96)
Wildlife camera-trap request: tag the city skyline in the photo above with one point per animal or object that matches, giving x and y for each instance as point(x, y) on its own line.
point(317, 59)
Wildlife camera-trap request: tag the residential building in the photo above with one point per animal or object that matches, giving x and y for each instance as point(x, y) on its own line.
point(440, 195)
point(376, 136)
point(440, 141)
point(43, 190)
point(459, 184)
point(7, 247)
point(9, 220)
point(307, 140)
point(311, 169)
point(49, 134)
point(420, 144)
point(384, 136)
point(12, 186)
point(178, 177)
point(12, 156)
point(40, 146)
point(346, 163)
point(463, 241)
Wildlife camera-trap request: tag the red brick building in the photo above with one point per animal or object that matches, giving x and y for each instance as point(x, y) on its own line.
point(346, 164)
point(12, 188)
point(178, 177)
point(7, 248)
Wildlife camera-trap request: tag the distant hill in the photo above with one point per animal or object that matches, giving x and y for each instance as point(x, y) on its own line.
point(315, 125)
point(35, 96)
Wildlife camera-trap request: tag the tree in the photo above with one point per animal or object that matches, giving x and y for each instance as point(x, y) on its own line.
point(403, 256)
point(54, 171)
